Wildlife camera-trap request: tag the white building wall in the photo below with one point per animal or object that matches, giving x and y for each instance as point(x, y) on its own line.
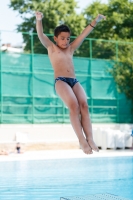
point(105, 135)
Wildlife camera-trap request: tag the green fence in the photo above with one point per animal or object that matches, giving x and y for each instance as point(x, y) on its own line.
point(27, 92)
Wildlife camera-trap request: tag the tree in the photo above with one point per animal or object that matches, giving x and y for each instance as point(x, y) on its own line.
point(118, 26)
point(119, 19)
point(55, 12)
point(122, 70)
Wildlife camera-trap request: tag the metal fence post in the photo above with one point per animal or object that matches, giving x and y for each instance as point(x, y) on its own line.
point(32, 68)
point(1, 98)
point(63, 109)
point(118, 119)
point(91, 77)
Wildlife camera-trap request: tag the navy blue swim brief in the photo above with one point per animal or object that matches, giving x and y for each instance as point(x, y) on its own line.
point(69, 81)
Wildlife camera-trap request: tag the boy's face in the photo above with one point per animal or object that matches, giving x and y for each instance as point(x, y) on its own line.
point(62, 40)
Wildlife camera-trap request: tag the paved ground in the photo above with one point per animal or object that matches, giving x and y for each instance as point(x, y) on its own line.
point(63, 154)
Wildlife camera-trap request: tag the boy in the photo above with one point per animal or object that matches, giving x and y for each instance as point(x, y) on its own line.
point(66, 84)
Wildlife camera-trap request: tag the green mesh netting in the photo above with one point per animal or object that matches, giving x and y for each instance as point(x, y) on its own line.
point(27, 93)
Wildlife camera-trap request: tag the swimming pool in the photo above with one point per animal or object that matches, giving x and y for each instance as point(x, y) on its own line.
point(51, 179)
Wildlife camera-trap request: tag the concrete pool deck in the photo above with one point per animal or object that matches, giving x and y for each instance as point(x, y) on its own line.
point(63, 154)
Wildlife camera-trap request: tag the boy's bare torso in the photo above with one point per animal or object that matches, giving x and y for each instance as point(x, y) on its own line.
point(62, 61)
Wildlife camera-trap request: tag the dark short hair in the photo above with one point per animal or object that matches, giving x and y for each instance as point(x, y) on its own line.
point(61, 28)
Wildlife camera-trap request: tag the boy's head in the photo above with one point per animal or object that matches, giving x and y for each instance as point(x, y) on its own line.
point(62, 36)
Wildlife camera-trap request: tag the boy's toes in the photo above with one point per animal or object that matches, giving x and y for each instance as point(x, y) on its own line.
point(85, 147)
point(96, 149)
point(93, 145)
point(88, 150)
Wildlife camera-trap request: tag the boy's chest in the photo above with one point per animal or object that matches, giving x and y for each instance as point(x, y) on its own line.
point(60, 54)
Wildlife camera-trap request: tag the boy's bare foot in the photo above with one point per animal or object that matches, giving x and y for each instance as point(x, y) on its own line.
point(92, 144)
point(85, 146)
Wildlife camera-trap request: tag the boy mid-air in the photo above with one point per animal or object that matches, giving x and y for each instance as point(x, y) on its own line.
point(67, 86)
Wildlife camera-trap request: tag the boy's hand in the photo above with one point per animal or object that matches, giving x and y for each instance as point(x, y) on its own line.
point(39, 15)
point(99, 18)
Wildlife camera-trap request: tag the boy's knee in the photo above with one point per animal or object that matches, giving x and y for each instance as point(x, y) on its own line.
point(84, 106)
point(74, 107)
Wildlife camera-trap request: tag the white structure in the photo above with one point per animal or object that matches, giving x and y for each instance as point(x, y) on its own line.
point(105, 135)
point(9, 48)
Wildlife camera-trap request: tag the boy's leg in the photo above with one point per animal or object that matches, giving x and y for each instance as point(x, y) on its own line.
point(67, 95)
point(85, 118)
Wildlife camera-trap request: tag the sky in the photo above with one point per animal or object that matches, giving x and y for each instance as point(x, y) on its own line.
point(9, 20)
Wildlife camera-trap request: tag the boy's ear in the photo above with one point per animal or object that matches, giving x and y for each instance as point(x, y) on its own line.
point(55, 38)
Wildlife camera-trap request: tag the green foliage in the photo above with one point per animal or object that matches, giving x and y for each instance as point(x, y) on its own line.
point(118, 26)
point(122, 70)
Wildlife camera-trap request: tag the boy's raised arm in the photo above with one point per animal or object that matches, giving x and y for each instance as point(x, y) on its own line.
point(43, 38)
point(78, 41)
